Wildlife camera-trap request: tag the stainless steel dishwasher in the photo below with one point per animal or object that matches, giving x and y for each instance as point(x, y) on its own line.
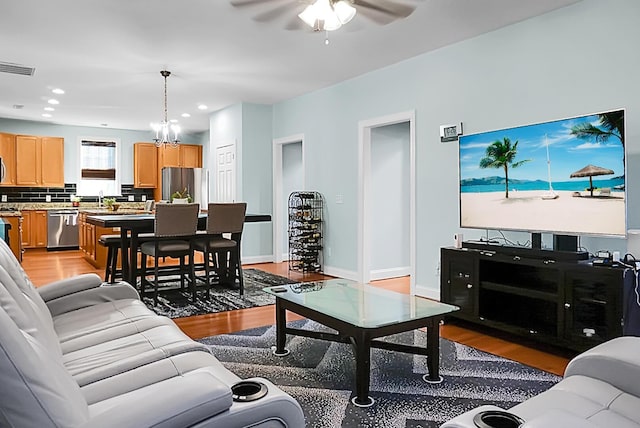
point(62, 229)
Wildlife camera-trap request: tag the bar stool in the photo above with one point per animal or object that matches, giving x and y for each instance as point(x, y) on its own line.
point(113, 244)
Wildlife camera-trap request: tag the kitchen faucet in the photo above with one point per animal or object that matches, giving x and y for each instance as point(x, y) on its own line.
point(100, 197)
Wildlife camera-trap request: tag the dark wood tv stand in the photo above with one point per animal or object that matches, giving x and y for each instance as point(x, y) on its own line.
point(566, 303)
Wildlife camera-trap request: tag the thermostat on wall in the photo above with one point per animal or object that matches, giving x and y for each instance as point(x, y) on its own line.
point(450, 132)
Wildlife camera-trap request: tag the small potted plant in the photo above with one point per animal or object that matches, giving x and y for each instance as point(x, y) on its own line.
point(109, 202)
point(75, 201)
point(181, 197)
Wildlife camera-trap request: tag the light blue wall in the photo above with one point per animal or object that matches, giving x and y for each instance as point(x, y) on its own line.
point(576, 60)
point(71, 146)
point(249, 126)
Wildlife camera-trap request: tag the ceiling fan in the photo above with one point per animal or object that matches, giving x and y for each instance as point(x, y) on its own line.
point(326, 15)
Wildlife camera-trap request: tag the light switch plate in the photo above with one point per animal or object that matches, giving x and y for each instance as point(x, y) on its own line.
point(130, 198)
point(4, 198)
point(47, 198)
point(144, 198)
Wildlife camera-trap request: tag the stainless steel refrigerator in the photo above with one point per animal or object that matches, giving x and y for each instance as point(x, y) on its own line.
point(195, 180)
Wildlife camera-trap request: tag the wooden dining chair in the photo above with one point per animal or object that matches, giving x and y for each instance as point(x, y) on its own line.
point(174, 232)
point(223, 253)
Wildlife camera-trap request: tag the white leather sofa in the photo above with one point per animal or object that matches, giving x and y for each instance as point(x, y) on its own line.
point(600, 389)
point(80, 353)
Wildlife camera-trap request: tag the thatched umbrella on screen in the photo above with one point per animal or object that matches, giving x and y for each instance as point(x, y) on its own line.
point(590, 171)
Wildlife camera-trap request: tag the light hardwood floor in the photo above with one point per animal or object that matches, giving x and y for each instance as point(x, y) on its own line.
point(43, 267)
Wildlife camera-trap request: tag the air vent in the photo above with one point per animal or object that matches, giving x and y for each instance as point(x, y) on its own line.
point(7, 67)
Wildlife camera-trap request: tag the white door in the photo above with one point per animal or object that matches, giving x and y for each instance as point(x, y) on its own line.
point(226, 173)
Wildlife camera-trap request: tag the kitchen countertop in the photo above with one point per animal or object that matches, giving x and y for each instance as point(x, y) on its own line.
point(92, 208)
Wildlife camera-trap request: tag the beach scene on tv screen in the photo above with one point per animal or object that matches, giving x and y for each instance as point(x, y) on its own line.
point(563, 176)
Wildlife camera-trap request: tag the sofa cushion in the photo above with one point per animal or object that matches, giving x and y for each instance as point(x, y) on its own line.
point(591, 399)
point(36, 390)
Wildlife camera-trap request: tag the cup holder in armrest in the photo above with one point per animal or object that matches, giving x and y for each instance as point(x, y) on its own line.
point(248, 390)
point(497, 419)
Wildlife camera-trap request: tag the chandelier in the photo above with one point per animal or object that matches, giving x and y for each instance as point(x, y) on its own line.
point(165, 128)
point(328, 15)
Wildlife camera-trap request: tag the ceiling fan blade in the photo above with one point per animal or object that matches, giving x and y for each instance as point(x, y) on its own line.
point(389, 7)
point(243, 3)
point(276, 12)
point(295, 23)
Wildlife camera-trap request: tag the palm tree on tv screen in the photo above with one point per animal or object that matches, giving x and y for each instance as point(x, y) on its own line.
point(611, 125)
point(501, 154)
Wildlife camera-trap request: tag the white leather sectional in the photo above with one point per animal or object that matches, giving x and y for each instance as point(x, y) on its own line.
point(600, 389)
point(80, 353)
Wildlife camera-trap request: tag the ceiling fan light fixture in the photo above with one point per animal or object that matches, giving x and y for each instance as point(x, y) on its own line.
point(344, 11)
point(327, 15)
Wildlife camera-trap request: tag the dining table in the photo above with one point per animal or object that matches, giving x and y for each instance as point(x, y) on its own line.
point(131, 225)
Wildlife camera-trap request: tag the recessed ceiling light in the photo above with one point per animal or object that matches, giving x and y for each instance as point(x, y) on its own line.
point(46, 115)
point(49, 109)
point(186, 115)
point(18, 106)
point(53, 101)
point(202, 107)
point(58, 91)
point(104, 124)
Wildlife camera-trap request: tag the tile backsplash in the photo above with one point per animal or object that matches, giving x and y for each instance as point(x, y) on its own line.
point(63, 194)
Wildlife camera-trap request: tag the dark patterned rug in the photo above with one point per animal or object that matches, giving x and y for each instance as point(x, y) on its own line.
point(176, 303)
point(320, 375)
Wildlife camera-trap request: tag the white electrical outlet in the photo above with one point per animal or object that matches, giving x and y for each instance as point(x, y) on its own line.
point(144, 198)
point(339, 199)
point(131, 198)
point(4, 198)
point(47, 198)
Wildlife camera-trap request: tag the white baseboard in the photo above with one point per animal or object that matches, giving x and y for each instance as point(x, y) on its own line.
point(257, 259)
point(390, 273)
point(428, 292)
point(340, 273)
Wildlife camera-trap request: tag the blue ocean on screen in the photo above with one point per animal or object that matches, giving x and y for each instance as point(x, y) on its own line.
point(615, 184)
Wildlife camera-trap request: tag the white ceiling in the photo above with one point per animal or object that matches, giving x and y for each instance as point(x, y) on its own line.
point(107, 54)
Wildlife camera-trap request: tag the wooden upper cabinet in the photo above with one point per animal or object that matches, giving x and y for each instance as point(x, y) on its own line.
point(28, 157)
point(8, 155)
point(169, 156)
point(190, 156)
point(52, 155)
point(145, 165)
point(41, 161)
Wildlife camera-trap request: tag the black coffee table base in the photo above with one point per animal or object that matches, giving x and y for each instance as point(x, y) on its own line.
point(362, 340)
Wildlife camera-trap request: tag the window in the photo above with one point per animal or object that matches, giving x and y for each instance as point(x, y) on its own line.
point(99, 167)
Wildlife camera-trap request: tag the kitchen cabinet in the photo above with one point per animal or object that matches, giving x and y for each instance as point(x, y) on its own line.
point(8, 154)
point(145, 161)
point(15, 235)
point(34, 229)
point(183, 156)
point(41, 161)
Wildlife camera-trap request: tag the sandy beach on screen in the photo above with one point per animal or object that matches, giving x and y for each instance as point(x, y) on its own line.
point(523, 209)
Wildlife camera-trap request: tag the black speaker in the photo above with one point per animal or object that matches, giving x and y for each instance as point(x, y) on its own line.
point(565, 243)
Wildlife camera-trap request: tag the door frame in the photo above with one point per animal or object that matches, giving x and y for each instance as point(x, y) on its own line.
point(278, 197)
point(364, 191)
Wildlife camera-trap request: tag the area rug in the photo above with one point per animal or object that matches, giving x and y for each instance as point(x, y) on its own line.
point(320, 376)
point(176, 303)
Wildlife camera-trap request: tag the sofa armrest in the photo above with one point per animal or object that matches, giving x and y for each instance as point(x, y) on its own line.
point(90, 296)
point(63, 287)
point(555, 418)
point(616, 362)
point(176, 402)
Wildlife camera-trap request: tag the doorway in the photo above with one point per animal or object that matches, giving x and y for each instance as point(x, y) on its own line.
point(288, 176)
point(386, 244)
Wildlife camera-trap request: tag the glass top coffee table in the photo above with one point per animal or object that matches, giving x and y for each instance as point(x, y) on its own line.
point(360, 313)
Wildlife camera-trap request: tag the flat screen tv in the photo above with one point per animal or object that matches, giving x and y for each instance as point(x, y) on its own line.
point(564, 177)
